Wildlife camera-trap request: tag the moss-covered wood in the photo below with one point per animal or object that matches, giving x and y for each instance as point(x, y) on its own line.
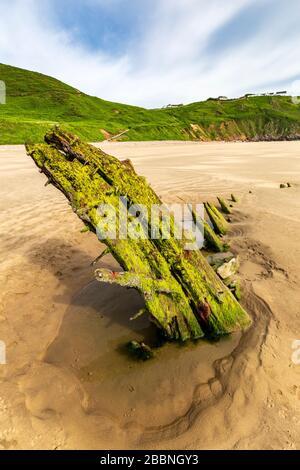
point(224, 206)
point(212, 241)
point(217, 219)
point(182, 294)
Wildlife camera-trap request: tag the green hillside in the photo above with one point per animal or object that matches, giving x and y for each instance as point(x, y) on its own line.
point(36, 102)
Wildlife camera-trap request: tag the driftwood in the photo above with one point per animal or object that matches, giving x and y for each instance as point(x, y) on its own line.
point(182, 293)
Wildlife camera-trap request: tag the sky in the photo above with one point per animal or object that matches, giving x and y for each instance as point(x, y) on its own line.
point(155, 52)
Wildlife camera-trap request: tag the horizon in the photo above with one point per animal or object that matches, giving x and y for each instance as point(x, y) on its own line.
point(153, 53)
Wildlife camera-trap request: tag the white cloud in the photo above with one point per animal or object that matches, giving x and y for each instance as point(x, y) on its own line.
point(169, 63)
point(295, 88)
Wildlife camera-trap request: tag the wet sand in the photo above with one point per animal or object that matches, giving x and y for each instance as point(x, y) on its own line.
point(68, 383)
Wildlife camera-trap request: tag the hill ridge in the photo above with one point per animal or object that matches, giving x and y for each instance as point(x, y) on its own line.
point(36, 102)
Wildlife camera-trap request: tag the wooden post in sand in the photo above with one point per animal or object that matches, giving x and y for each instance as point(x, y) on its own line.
point(217, 219)
point(182, 293)
point(224, 206)
point(212, 241)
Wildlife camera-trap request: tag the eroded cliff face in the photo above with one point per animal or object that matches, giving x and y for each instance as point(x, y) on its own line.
point(247, 130)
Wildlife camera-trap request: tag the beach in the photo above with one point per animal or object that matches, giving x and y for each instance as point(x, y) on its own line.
point(68, 382)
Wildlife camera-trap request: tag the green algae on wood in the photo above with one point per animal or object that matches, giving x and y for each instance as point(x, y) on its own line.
point(224, 206)
point(182, 294)
point(217, 219)
point(212, 241)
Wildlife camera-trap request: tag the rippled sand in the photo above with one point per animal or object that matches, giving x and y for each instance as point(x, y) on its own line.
point(68, 382)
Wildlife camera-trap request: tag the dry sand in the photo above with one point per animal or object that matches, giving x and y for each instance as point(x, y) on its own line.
point(68, 382)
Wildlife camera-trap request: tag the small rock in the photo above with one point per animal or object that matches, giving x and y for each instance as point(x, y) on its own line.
point(283, 186)
point(228, 269)
point(140, 350)
point(289, 185)
point(218, 259)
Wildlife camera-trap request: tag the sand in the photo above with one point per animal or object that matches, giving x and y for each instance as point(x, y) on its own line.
point(68, 382)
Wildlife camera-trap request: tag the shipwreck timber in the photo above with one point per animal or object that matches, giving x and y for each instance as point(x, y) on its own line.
point(182, 293)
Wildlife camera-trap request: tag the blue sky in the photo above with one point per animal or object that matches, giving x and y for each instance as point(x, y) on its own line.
point(154, 52)
point(111, 26)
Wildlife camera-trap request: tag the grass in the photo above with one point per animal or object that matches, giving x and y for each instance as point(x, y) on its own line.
point(36, 102)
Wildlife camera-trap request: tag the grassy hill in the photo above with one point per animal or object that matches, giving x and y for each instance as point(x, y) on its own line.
point(36, 102)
